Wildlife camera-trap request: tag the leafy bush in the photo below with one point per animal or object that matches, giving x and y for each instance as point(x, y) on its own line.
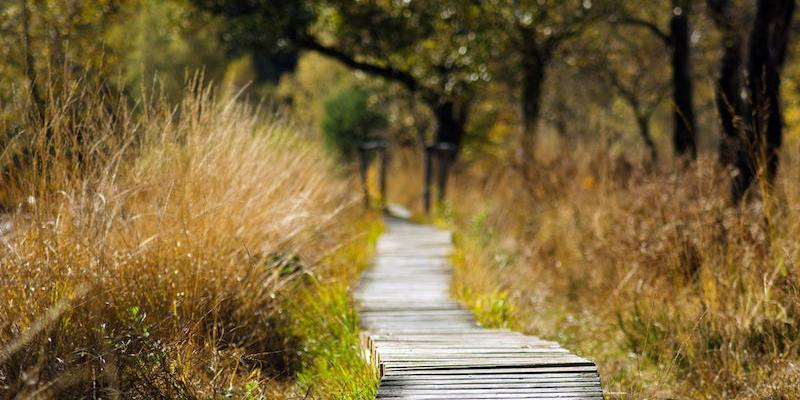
point(349, 121)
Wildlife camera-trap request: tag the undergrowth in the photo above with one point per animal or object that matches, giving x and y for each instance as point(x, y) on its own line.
point(674, 292)
point(334, 365)
point(479, 289)
point(155, 251)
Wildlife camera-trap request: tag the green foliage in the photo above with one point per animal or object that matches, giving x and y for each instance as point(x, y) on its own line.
point(315, 79)
point(492, 309)
point(433, 48)
point(65, 39)
point(122, 46)
point(333, 363)
point(167, 41)
point(262, 25)
point(476, 288)
point(349, 121)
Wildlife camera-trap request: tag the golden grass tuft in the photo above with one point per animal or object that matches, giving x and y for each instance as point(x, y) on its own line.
point(150, 247)
point(652, 273)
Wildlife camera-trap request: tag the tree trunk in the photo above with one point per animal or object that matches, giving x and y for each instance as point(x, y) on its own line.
point(643, 121)
point(30, 68)
point(534, 67)
point(729, 101)
point(730, 106)
point(684, 136)
point(768, 43)
point(450, 122)
point(451, 118)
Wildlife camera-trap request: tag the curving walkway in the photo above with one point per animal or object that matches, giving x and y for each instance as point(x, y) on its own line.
point(429, 347)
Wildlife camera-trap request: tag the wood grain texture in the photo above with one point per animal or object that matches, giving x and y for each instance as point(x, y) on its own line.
point(429, 347)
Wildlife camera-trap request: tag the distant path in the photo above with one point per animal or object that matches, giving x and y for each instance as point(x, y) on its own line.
point(428, 347)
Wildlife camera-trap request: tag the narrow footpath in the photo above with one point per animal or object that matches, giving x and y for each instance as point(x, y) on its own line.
point(429, 347)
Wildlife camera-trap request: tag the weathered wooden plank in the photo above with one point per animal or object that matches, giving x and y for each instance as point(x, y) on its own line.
point(490, 363)
point(488, 342)
point(464, 352)
point(494, 375)
point(490, 381)
point(500, 385)
point(434, 343)
point(478, 371)
point(489, 395)
point(474, 385)
point(478, 334)
point(494, 389)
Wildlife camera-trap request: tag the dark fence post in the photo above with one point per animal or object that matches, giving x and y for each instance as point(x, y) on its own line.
point(426, 189)
point(446, 153)
point(366, 151)
point(363, 169)
point(384, 166)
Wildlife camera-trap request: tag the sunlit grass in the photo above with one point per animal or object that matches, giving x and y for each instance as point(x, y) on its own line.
point(478, 288)
point(155, 250)
point(653, 274)
point(334, 365)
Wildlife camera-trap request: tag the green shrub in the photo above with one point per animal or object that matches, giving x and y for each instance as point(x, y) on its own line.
point(349, 121)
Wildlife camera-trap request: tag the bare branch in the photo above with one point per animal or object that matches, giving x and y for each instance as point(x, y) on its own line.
point(650, 26)
point(391, 73)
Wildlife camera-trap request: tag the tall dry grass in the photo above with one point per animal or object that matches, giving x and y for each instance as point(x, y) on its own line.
point(675, 293)
point(151, 246)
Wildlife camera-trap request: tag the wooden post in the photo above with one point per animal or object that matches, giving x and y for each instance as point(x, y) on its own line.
point(442, 182)
point(384, 166)
point(426, 189)
point(367, 151)
point(446, 153)
point(363, 168)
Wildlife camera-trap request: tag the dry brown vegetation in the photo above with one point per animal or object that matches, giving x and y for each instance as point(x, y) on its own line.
point(672, 290)
point(154, 248)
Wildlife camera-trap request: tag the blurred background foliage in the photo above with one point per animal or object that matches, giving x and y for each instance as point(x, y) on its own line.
point(611, 77)
point(350, 121)
point(566, 117)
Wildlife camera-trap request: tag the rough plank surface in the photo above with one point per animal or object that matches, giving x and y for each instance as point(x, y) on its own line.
point(428, 347)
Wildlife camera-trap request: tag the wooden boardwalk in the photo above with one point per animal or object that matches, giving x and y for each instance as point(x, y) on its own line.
point(429, 347)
